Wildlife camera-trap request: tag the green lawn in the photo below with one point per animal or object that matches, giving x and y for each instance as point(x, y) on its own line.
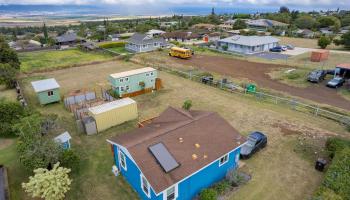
point(120, 50)
point(8, 94)
point(36, 61)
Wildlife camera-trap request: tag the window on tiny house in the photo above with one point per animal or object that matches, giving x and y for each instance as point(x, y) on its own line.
point(122, 160)
point(145, 185)
point(151, 73)
point(121, 80)
point(127, 88)
point(50, 93)
point(223, 160)
point(127, 79)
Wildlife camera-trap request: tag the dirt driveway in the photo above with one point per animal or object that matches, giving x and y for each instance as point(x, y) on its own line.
point(258, 72)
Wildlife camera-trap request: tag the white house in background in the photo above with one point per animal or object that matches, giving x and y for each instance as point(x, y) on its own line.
point(247, 44)
point(155, 33)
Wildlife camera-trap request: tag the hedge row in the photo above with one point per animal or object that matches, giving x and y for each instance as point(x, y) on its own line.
point(336, 184)
point(112, 45)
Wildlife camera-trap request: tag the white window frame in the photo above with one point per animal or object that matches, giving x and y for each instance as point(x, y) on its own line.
point(148, 186)
point(226, 158)
point(127, 88)
point(121, 154)
point(176, 194)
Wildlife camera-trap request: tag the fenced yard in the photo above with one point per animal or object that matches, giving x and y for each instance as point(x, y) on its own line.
point(293, 104)
point(41, 60)
point(277, 168)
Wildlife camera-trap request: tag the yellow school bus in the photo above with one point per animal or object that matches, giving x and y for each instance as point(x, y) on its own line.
point(180, 52)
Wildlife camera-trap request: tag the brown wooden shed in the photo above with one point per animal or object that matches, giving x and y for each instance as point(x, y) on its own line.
point(319, 55)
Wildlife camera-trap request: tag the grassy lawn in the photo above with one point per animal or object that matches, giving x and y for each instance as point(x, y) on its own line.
point(278, 167)
point(33, 61)
point(120, 50)
point(8, 94)
point(306, 43)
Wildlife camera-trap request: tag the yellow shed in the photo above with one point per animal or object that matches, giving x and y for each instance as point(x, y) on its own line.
point(113, 113)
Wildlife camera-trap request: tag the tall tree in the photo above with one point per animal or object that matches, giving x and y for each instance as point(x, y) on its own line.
point(49, 184)
point(284, 9)
point(212, 11)
point(46, 35)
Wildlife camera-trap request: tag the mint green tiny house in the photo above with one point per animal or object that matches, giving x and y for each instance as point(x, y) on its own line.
point(47, 91)
point(134, 82)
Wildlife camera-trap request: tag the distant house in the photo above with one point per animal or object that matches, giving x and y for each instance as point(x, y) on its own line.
point(89, 46)
point(155, 33)
point(144, 43)
point(64, 140)
point(211, 37)
point(230, 22)
point(177, 154)
point(168, 24)
point(114, 37)
point(134, 82)
point(47, 91)
point(247, 44)
point(265, 24)
point(25, 45)
point(69, 38)
point(181, 36)
point(326, 31)
point(208, 27)
point(305, 33)
point(225, 27)
point(344, 30)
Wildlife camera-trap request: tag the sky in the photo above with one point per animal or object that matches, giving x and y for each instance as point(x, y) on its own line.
point(243, 3)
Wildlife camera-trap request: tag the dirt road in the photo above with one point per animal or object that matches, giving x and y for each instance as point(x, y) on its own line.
point(257, 72)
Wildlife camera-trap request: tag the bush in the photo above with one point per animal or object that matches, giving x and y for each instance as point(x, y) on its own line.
point(324, 41)
point(10, 113)
point(187, 105)
point(234, 178)
point(70, 159)
point(112, 45)
point(293, 76)
point(222, 187)
point(336, 184)
point(334, 145)
point(208, 194)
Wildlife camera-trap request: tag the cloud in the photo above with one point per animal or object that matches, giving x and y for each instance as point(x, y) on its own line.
point(308, 3)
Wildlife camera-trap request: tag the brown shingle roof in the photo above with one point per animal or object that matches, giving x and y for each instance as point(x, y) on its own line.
point(215, 136)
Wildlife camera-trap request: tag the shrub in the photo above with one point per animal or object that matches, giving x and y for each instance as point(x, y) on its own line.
point(293, 76)
point(208, 194)
point(222, 187)
point(225, 47)
point(10, 113)
point(187, 105)
point(234, 178)
point(70, 159)
point(324, 41)
point(112, 45)
point(336, 184)
point(334, 145)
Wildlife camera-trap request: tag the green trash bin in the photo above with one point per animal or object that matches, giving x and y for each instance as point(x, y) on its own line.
point(251, 88)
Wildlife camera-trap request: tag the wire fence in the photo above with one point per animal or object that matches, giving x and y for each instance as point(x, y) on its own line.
point(232, 87)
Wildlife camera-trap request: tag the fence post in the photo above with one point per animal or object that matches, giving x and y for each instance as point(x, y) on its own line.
point(276, 100)
point(317, 110)
point(190, 74)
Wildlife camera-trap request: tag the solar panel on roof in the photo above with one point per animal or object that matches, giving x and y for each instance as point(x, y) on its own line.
point(164, 158)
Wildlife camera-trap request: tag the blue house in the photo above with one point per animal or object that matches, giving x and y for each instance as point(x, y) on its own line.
point(177, 154)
